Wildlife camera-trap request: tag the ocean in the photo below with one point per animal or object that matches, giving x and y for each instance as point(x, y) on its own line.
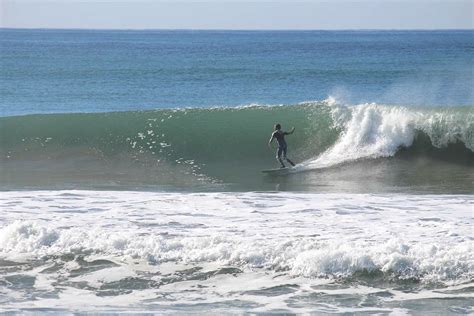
point(130, 172)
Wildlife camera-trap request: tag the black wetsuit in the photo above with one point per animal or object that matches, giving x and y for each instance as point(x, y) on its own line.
point(280, 137)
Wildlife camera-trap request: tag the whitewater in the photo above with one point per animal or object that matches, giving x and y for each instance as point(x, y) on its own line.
point(235, 252)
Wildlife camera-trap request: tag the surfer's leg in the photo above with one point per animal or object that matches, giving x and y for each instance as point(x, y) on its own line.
point(281, 162)
point(286, 158)
point(291, 162)
point(278, 157)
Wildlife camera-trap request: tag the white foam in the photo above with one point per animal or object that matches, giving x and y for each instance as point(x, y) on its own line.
point(375, 131)
point(234, 229)
point(303, 238)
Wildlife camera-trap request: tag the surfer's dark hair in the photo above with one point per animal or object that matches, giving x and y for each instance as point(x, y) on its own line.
point(277, 126)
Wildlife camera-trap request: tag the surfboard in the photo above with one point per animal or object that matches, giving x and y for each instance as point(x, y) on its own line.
point(277, 172)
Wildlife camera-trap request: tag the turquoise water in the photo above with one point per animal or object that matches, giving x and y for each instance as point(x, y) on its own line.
point(425, 150)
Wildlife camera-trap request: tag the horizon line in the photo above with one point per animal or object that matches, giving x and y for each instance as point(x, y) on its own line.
point(225, 29)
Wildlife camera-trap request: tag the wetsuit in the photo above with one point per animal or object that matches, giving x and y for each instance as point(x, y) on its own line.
point(280, 137)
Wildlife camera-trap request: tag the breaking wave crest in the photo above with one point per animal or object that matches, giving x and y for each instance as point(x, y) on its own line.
point(375, 131)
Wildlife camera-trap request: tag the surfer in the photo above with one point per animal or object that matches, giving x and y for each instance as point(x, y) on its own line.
point(279, 135)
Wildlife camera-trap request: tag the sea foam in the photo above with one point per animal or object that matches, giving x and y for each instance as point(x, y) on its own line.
point(129, 249)
point(377, 131)
point(405, 238)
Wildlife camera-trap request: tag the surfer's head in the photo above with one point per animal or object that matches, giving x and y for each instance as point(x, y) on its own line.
point(277, 127)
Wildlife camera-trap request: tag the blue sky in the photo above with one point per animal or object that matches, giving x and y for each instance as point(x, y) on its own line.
point(238, 14)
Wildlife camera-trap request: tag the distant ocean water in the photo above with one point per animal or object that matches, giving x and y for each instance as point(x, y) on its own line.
point(46, 71)
point(130, 171)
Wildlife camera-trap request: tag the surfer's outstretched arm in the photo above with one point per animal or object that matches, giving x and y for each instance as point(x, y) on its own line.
point(290, 132)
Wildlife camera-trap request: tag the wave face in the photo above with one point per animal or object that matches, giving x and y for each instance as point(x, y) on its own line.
point(190, 148)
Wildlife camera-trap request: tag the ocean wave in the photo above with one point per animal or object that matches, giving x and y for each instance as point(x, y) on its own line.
point(376, 131)
point(330, 241)
point(192, 147)
point(267, 251)
point(396, 261)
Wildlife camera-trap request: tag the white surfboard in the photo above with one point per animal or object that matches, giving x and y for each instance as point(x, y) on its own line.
point(278, 172)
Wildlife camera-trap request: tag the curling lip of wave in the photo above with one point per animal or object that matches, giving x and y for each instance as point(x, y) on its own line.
point(377, 131)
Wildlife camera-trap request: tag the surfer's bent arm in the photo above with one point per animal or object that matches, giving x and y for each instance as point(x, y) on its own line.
point(290, 132)
point(271, 140)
